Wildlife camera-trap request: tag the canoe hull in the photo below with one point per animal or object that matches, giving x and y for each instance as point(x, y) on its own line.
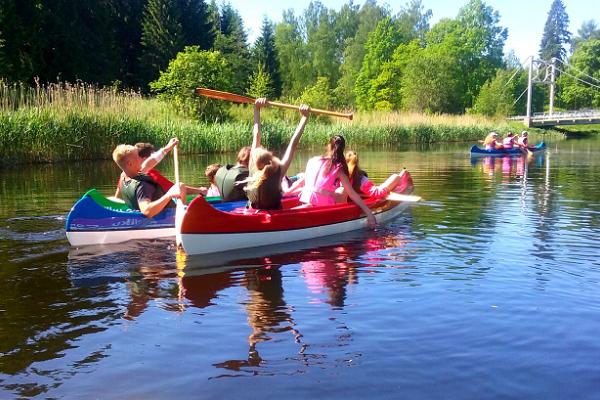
point(476, 151)
point(95, 220)
point(213, 243)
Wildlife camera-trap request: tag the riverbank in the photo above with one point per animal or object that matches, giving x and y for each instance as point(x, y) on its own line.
point(79, 122)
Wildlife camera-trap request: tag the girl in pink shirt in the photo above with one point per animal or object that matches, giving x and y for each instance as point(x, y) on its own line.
point(322, 176)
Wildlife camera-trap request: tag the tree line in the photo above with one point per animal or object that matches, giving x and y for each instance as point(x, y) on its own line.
point(363, 57)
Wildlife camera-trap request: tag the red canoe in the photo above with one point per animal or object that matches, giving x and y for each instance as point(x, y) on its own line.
point(202, 229)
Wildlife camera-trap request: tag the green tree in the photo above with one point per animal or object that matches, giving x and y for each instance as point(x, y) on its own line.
point(323, 48)
point(127, 17)
point(585, 65)
point(293, 58)
point(196, 24)
point(433, 82)
point(261, 84)
point(232, 42)
point(318, 95)
point(556, 33)
point(380, 47)
point(162, 36)
point(191, 68)
point(265, 56)
point(496, 98)
point(354, 52)
point(589, 30)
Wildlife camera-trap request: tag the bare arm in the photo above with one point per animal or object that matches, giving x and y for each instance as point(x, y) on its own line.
point(151, 208)
point(295, 188)
point(157, 156)
point(289, 153)
point(357, 199)
point(258, 104)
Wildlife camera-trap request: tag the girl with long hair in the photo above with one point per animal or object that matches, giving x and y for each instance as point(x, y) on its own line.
point(322, 175)
point(363, 185)
point(266, 171)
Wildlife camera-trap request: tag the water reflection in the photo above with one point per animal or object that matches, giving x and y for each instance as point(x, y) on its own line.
point(326, 270)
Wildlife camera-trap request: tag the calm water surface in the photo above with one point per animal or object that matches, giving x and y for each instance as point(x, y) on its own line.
point(487, 290)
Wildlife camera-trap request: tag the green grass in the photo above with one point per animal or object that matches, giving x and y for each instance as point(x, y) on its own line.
point(75, 122)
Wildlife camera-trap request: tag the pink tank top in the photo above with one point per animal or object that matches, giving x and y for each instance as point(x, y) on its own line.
point(319, 182)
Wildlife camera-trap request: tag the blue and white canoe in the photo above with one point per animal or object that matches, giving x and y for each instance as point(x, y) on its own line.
point(476, 151)
point(96, 219)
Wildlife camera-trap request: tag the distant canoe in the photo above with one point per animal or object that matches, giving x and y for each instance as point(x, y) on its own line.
point(476, 151)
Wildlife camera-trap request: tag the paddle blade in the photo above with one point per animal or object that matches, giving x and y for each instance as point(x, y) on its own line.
point(393, 196)
point(217, 94)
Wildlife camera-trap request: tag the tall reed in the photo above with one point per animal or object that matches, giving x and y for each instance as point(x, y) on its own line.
point(63, 121)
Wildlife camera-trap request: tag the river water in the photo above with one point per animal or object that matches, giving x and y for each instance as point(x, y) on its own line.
point(488, 289)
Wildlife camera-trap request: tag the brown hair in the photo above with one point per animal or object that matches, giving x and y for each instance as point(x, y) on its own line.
point(337, 144)
point(211, 171)
point(268, 160)
point(243, 157)
point(354, 171)
point(145, 149)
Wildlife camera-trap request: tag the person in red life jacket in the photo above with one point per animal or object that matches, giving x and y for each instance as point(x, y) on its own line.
point(139, 191)
point(151, 159)
point(363, 185)
point(210, 172)
point(509, 141)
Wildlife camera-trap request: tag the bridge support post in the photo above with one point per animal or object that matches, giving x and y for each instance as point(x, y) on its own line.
point(552, 85)
point(527, 120)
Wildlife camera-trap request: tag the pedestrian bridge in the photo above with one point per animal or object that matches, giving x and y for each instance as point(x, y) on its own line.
point(579, 117)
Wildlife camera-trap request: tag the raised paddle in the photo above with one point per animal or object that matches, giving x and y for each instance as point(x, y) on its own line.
point(237, 98)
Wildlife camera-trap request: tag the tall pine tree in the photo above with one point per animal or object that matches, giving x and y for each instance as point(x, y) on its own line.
point(196, 25)
point(232, 42)
point(265, 55)
point(162, 36)
point(556, 33)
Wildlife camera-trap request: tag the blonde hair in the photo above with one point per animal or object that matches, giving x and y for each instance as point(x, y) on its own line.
point(122, 152)
point(268, 160)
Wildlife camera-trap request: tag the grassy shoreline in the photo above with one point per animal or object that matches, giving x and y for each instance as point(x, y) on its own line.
point(78, 122)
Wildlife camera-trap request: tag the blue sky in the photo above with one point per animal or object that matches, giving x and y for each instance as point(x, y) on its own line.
point(524, 18)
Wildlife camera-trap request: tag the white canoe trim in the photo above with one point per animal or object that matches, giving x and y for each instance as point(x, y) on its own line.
point(107, 237)
point(199, 243)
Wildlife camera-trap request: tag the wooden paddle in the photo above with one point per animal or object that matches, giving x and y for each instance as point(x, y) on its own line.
point(393, 196)
point(180, 210)
point(236, 98)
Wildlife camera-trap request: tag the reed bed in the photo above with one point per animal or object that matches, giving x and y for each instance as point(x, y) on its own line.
point(60, 122)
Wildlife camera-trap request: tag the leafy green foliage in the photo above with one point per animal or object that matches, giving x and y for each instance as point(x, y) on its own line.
point(586, 66)
point(318, 95)
point(261, 84)
point(496, 98)
point(432, 82)
point(194, 68)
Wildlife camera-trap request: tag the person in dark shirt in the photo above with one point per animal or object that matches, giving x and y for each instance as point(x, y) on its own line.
point(139, 191)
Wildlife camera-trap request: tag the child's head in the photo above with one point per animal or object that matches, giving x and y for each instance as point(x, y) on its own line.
point(211, 171)
point(243, 156)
